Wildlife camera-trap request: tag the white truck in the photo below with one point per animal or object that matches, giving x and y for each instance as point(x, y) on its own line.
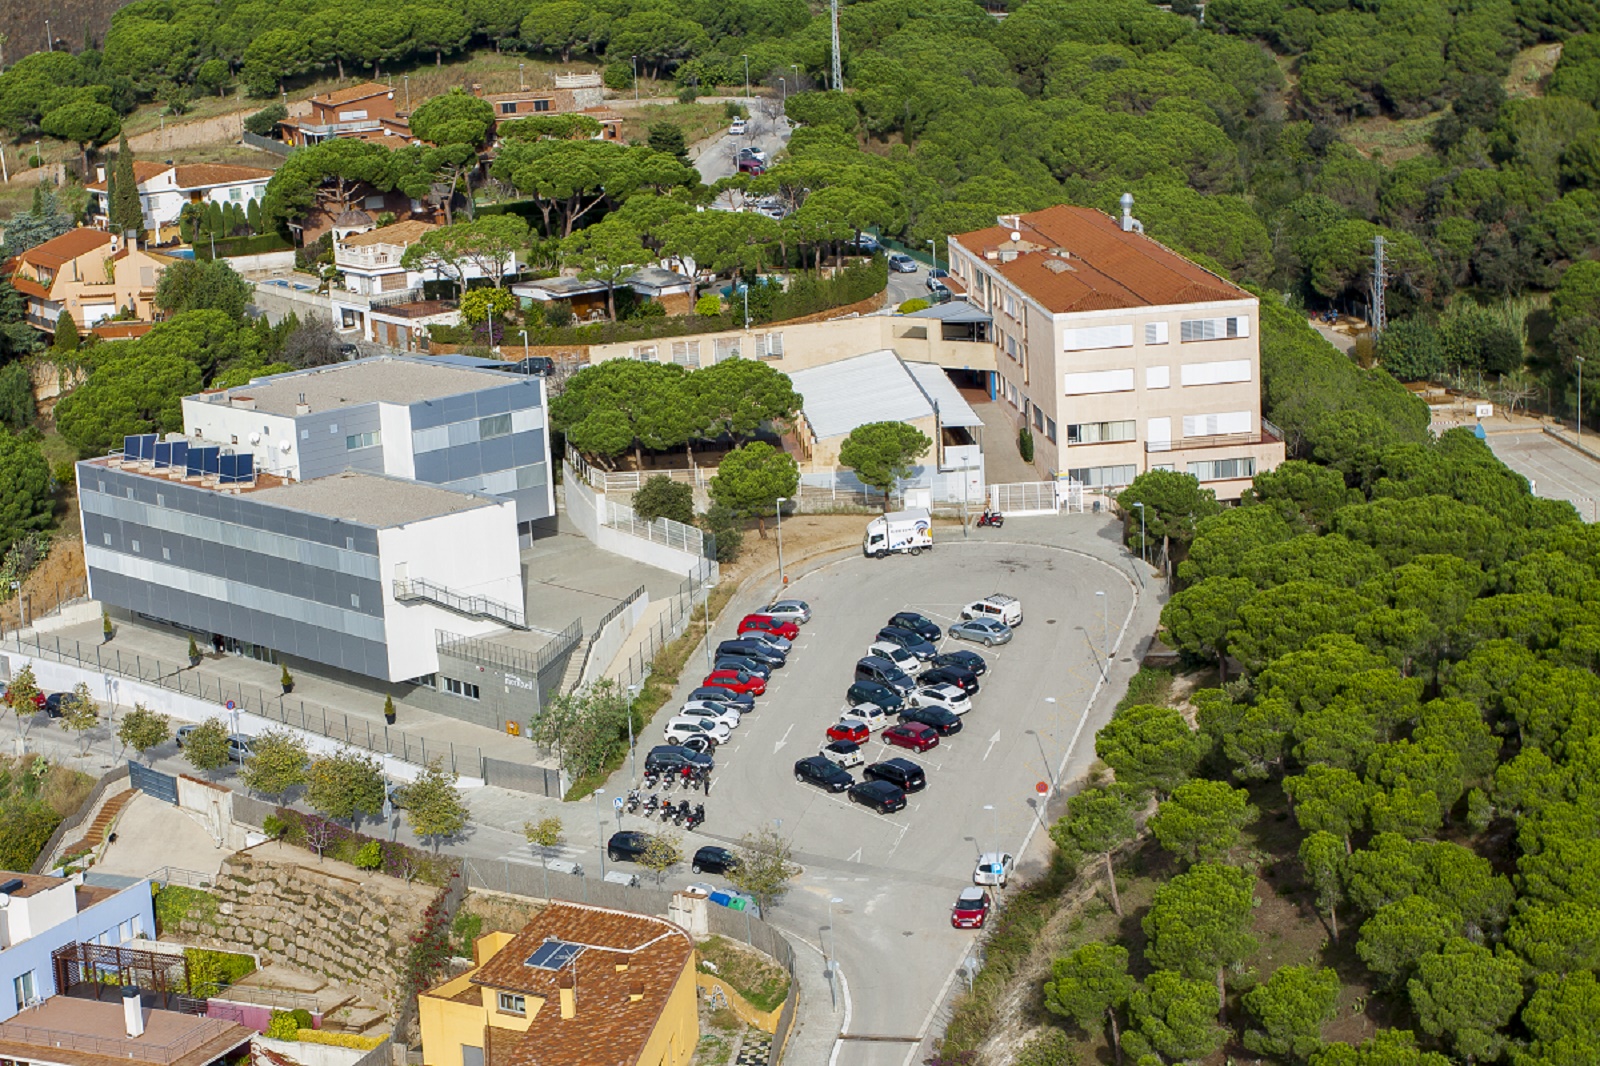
point(901, 531)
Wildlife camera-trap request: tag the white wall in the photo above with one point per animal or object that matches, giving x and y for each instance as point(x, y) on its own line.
point(394, 423)
point(283, 260)
point(471, 553)
point(220, 423)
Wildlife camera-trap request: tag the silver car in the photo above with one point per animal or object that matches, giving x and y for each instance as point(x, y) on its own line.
point(981, 631)
point(796, 611)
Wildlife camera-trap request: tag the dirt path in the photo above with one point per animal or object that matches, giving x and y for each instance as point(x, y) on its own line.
point(219, 129)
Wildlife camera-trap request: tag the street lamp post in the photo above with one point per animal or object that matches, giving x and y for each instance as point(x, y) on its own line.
point(636, 79)
point(933, 247)
point(705, 606)
point(1580, 397)
point(746, 77)
point(405, 79)
point(633, 758)
point(777, 508)
point(520, 85)
point(832, 942)
point(1105, 629)
point(600, 821)
point(524, 345)
point(1142, 554)
point(990, 808)
point(783, 86)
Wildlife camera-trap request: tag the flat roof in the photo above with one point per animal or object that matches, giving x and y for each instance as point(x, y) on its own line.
point(32, 884)
point(875, 387)
point(371, 499)
point(381, 379)
point(957, 311)
point(937, 386)
point(86, 1032)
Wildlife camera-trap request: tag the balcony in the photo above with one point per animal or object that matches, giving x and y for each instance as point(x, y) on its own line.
point(366, 258)
point(1270, 434)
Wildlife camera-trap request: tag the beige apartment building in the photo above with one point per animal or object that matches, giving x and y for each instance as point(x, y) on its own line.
point(1121, 355)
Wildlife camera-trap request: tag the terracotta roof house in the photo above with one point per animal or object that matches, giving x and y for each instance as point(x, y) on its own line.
point(585, 97)
point(164, 189)
point(1120, 355)
point(91, 273)
point(365, 111)
point(578, 986)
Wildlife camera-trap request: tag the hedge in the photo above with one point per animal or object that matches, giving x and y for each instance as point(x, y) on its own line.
point(266, 242)
point(352, 1040)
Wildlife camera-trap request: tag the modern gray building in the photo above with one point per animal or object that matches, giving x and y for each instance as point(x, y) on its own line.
point(464, 427)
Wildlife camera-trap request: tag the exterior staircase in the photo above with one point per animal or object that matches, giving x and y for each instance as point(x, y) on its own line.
point(415, 590)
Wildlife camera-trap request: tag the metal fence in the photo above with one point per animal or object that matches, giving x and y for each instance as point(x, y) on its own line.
point(110, 779)
point(163, 787)
point(266, 144)
point(659, 531)
point(27, 607)
point(252, 699)
point(669, 625)
point(488, 653)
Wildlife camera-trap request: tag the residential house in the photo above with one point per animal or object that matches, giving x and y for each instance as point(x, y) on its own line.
point(165, 189)
point(578, 984)
point(78, 1031)
point(365, 111)
point(40, 914)
point(587, 297)
point(1120, 355)
point(572, 94)
point(89, 272)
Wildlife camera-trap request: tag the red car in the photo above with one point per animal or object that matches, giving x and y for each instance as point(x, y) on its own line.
point(38, 699)
point(736, 681)
point(971, 909)
point(851, 730)
point(765, 623)
point(913, 735)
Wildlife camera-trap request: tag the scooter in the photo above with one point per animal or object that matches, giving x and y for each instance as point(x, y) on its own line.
point(697, 816)
point(667, 811)
point(991, 518)
point(651, 805)
point(650, 779)
point(683, 812)
point(633, 800)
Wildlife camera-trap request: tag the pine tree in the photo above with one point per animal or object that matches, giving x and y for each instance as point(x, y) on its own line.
point(252, 216)
point(215, 223)
point(126, 213)
point(66, 333)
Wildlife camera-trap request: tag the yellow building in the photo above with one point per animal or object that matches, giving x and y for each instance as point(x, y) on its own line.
point(579, 986)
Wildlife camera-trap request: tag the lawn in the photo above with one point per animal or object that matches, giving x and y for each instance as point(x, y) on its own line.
point(748, 972)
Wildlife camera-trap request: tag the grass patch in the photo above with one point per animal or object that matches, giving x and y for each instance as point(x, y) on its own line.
point(211, 971)
point(697, 121)
point(1391, 139)
point(711, 1051)
point(762, 982)
point(174, 903)
point(1152, 685)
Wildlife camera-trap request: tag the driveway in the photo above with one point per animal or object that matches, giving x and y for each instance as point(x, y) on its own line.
point(719, 159)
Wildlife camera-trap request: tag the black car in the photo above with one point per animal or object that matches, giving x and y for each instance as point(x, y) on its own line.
point(815, 770)
point(714, 860)
point(753, 649)
point(879, 795)
point(876, 694)
point(877, 668)
point(711, 693)
point(917, 624)
point(629, 844)
point(538, 365)
point(748, 665)
point(966, 660)
point(52, 703)
point(904, 774)
point(965, 680)
point(669, 757)
point(908, 640)
point(937, 719)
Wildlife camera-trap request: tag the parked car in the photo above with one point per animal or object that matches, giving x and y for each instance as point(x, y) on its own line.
point(945, 697)
point(238, 747)
point(911, 642)
point(815, 770)
point(971, 909)
point(901, 263)
point(981, 631)
point(667, 758)
point(716, 694)
point(842, 753)
point(879, 795)
point(962, 659)
point(753, 649)
point(912, 735)
point(748, 665)
point(965, 680)
point(39, 700)
point(904, 774)
point(934, 284)
point(721, 712)
point(796, 611)
point(994, 868)
point(917, 624)
point(937, 719)
point(753, 153)
point(851, 729)
point(881, 696)
point(868, 714)
point(677, 730)
point(877, 668)
point(903, 660)
point(735, 680)
point(53, 703)
point(182, 735)
point(766, 623)
point(781, 645)
point(712, 859)
point(628, 844)
point(866, 244)
point(752, 168)
point(736, 128)
point(999, 607)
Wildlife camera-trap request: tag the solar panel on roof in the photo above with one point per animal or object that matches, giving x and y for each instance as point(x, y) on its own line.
point(554, 954)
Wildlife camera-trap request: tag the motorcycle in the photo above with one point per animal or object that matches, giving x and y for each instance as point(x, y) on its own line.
point(991, 518)
point(697, 816)
point(668, 809)
point(650, 779)
point(683, 812)
point(633, 800)
point(651, 805)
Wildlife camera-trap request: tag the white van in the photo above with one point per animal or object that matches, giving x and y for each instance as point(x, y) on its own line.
point(1007, 610)
point(868, 714)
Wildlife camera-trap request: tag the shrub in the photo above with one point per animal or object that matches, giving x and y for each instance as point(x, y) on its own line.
point(1025, 444)
point(662, 497)
point(210, 971)
point(725, 524)
point(283, 1026)
point(733, 109)
point(708, 306)
point(916, 303)
point(302, 1018)
point(352, 1040)
point(619, 76)
point(344, 844)
point(467, 927)
point(174, 903)
point(265, 121)
point(369, 856)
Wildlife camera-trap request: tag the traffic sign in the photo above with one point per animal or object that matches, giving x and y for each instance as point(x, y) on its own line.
point(1043, 788)
point(230, 705)
point(617, 803)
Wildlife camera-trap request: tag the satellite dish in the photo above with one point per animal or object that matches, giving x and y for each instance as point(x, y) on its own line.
point(419, 329)
point(1015, 236)
point(255, 438)
point(283, 446)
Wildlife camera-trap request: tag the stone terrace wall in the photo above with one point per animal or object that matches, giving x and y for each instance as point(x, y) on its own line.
point(328, 918)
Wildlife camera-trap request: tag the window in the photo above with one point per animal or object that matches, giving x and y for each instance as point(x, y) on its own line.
point(508, 109)
point(1213, 329)
point(1079, 340)
point(350, 544)
point(125, 932)
point(769, 346)
point(135, 547)
point(1223, 469)
point(1155, 333)
point(166, 553)
point(463, 689)
point(355, 601)
point(161, 499)
point(644, 353)
point(513, 1004)
point(541, 105)
point(107, 538)
point(1101, 432)
point(726, 348)
point(1223, 372)
point(494, 426)
point(333, 429)
point(686, 353)
point(1050, 429)
point(1217, 425)
point(1102, 476)
point(1011, 347)
point(236, 194)
point(1038, 419)
point(24, 988)
point(1158, 377)
point(1099, 381)
point(129, 492)
point(305, 434)
point(1010, 305)
point(356, 441)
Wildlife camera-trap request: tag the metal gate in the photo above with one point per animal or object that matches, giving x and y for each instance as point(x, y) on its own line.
point(153, 782)
point(520, 777)
point(1025, 498)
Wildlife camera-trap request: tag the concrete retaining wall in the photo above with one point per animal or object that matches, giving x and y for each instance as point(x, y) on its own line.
point(279, 260)
point(610, 639)
point(587, 509)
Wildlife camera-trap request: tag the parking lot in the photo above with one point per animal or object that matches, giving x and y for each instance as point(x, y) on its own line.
point(897, 875)
point(1556, 471)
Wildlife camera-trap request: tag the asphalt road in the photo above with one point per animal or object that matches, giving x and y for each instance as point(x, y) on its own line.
point(1555, 470)
point(720, 159)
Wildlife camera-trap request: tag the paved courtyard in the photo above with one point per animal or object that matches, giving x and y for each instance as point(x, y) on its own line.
point(1555, 470)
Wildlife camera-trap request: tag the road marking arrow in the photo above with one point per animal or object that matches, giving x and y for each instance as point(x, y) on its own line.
point(856, 857)
point(992, 742)
point(779, 745)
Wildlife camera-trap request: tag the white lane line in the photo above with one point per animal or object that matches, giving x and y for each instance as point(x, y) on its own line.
point(779, 745)
point(844, 1027)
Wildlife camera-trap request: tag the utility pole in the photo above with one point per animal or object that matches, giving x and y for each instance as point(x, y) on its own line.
point(1379, 316)
point(1579, 361)
point(838, 76)
point(746, 76)
point(49, 38)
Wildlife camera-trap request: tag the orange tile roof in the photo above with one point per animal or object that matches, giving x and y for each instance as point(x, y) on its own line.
point(199, 175)
point(67, 247)
point(401, 233)
point(29, 287)
point(1079, 259)
point(364, 91)
point(121, 331)
point(143, 171)
point(609, 1027)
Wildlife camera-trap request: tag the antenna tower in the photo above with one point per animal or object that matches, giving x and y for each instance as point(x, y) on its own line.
point(838, 78)
point(1380, 317)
